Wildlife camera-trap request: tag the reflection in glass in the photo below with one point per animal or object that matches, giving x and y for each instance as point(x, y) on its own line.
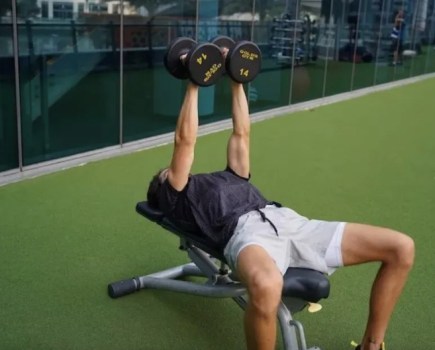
point(430, 38)
point(383, 70)
point(326, 38)
point(69, 58)
point(151, 96)
point(8, 121)
point(417, 48)
point(393, 38)
point(272, 86)
point(407, 27)
point(69, 77)
point(302, 35)
point(342, 40)
point(403, 22)
point(296, 51)
point(366, 43)
point(233, 19)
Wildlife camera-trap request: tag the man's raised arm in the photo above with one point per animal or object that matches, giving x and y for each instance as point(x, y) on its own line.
point(185, 139)
point(238, 144)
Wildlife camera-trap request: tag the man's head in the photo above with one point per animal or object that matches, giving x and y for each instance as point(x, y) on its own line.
point(153, 188)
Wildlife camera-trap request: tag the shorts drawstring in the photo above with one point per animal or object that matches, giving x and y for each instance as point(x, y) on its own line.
point(265, 218)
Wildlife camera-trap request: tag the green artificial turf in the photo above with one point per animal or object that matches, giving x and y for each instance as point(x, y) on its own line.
point(66, 235)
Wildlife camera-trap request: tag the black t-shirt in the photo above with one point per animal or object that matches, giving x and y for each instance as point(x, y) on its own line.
point(211, 204)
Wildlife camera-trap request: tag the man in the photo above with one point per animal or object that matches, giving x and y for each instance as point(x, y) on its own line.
point(397, 35)
point(260, 239)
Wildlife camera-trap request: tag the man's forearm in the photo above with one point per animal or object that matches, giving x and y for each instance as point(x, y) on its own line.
point(187, 124)
point(240, 110)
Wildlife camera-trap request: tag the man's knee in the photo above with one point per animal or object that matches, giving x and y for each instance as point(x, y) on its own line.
point(404, 251)
point(365, 243)
point(265, 290)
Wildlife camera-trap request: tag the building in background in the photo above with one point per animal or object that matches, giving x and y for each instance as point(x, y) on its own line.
point(73, 9)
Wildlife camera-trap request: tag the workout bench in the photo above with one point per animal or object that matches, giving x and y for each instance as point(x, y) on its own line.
point(301, 286)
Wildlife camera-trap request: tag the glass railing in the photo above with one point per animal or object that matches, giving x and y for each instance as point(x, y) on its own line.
point(83, 87)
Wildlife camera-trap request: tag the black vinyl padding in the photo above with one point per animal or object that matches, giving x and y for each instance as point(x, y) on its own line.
point(307, 284)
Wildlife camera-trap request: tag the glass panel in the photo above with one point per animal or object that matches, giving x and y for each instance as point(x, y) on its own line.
point(63, 10)
point(383, 16)
point(69, 73)
point(270, 29)
point(396, 29)
point(44, 9)
point(8, 121)
point(381, 32)
point(304, 25)
point(404, 21)
point(430, 35)
point(152, 97)
point(418, 45)
point(218, 18)
point(341, 32)
point(327, 37)
point(366, 43)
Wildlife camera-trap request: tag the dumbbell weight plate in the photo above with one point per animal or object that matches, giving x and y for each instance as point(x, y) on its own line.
point(243, 62)
point(223, 41)
point(205, 64)
point(176, 49)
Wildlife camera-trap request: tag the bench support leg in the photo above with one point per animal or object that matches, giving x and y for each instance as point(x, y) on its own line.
point(219, 285)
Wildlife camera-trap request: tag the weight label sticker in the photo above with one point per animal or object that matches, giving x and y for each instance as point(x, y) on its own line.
point(248, 55)
point(212, 71)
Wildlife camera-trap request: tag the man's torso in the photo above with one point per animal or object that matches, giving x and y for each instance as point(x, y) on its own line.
point(211, 204)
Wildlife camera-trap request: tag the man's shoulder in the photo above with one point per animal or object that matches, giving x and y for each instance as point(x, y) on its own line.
point(168, 195)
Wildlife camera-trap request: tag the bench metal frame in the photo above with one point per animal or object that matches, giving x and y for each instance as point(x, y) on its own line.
point(220, 282)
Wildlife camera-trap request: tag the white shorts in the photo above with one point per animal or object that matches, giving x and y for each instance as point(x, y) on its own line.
point(298, 242)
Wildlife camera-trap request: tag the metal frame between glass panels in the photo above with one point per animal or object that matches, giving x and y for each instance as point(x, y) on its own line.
point(17, 83)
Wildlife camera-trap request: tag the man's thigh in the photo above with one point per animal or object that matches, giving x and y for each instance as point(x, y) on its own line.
point(254, 261)
point(365, 243)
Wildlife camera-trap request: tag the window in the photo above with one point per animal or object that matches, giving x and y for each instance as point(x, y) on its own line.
point(116, 9)
point(44, 9)
point(101, 8)
point(62, 10)
point(81, 8)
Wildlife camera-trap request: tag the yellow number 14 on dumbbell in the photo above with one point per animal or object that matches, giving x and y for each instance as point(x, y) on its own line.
point(244, 72)
point(201, 58)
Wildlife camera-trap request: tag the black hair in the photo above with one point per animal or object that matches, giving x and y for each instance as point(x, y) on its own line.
point(153, 190)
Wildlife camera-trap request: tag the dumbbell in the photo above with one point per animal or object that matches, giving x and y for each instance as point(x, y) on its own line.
point(243, 60)
point(203, 65)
